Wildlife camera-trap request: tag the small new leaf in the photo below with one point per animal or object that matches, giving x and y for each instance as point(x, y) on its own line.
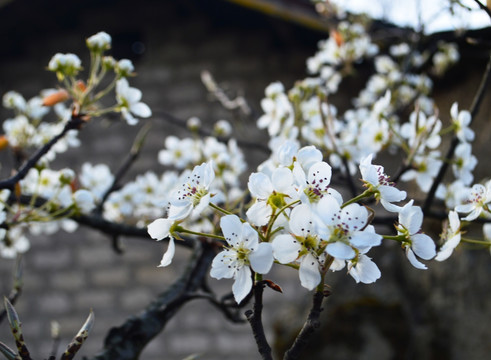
point(8, 352)
point(79, 339)
point(15, 326)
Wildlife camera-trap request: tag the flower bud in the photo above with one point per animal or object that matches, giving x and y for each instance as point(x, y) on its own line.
point(56, 97)
point(99, 42)
point(124, 68)
point(193, 123)
point(108, 63)
point(222, 128)
point(4, 142)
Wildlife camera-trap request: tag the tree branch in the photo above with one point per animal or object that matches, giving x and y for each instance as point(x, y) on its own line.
point(474, 109)
point(255, 319)
point(311, 324)
point(127, 341)
point(74, 123)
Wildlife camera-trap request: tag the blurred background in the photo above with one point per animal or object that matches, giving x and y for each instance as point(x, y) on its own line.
point(441, 313)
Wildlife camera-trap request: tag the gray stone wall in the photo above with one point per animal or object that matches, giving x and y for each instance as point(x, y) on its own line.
point(408, 314)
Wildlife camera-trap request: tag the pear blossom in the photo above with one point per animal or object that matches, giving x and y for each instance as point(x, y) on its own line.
point(364, 270)
point(462, 120)
point(346, 230)
point(415, 242)
point(477, 201)
point(96, 178)
point(302, 245)
point(13, 242)
point(243, 253)
point(84, 201)
point(451, 235)
point(270, 193)
point(312, 186)
point(129, 102)
point(193, 195)
point(160, 229)
point(455, 193)
point(377, 181)
point(464, 163)
point(425, 168)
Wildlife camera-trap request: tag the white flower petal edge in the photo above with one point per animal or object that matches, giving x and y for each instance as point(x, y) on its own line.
point(169, 254)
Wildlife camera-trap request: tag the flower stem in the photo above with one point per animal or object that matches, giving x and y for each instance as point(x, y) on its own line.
point(365, 194)
point(185, 231)
point(218, 208)
point(479, 242)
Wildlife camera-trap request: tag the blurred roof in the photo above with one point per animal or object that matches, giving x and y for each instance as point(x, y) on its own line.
point(301, 12)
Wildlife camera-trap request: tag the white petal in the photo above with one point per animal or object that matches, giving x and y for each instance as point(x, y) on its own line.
point(365, 270)
point(391, 193)
point(412, 259)
point(363, 239)
point(232, 229)
point(249, 236)
point(260, 185)
point(179, 212)
point(308, 155)
point(140, 109)
point(340, 250)
point(259, 213)
point(169, 254)
point(309, 272)
point(353, 217)
point(301, 223)
point(282, 180)
point(285, 248)
point(222, 265)
point(243, 284)
point(423, 246)
point(159, 228)
point(262, 259)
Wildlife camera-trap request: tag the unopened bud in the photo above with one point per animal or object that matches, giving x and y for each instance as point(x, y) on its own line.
point(4, 142)
point(338, 38)
point(80, 85)
point(56, 97)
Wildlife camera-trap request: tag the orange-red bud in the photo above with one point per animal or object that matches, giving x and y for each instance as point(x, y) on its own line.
point(55, 98)
point(337, 37)
point(80, 85)
point(3, 142)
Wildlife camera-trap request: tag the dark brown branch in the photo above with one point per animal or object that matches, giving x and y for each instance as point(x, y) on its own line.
point(97, 222)
point(255, 319)
point(74, 123)
point(128, 340)
point(308, 329)
point(474, 109)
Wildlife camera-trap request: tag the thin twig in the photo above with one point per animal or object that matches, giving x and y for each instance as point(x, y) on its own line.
point(255, 320)
point(474, 109)
point(128, 162)
point(311, 324)
point(16, 288)
point(75, 122)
